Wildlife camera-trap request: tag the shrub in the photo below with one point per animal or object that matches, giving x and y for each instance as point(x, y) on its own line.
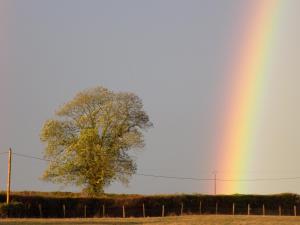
point(13, 209)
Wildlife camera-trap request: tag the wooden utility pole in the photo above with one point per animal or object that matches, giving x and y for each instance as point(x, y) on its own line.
point(215, 181)
point(8, 176)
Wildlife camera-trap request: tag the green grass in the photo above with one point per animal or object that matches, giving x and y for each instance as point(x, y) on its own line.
point(190, 220)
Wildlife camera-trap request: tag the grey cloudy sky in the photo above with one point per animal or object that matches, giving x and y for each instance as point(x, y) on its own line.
point(170, 53)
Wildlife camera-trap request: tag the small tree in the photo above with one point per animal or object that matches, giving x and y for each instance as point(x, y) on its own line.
point(88, 142)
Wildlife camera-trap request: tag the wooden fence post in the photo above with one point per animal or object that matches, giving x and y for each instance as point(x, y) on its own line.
point(124, 214)
point(144, 212)
point(200, 207)
point(248, 210)
point(40, 210)
point(233, 209)
point(295, 210)
point(103, 210)
point(163, 211)
point(84, 211)
point(28, 209)
point(263, 209)
point(64, 210)
point(181, 210)
point(279, 210)
point(216, 208)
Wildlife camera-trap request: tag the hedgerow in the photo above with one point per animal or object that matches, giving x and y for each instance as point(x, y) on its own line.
point(58, 205)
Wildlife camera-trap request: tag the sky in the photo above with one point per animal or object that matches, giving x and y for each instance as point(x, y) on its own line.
point(174, 55)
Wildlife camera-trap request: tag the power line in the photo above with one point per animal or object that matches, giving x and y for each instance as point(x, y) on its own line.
point(172, 177)
point(32, 157)
point(47, 160)
point(177, 177)
point(139, 174)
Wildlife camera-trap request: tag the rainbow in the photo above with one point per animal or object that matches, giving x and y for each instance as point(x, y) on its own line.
point(247, 80)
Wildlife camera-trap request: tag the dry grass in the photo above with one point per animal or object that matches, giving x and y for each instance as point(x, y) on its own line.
point(190, 220)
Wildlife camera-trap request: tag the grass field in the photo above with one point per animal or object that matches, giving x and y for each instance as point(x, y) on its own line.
point(193, 220)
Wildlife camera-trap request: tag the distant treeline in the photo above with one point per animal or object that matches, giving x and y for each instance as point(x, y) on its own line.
point(59, 205)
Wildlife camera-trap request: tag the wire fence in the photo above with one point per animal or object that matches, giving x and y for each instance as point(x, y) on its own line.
point(101, 210)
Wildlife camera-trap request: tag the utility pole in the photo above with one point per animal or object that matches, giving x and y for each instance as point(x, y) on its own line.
point(215, 181)
point(8, 176)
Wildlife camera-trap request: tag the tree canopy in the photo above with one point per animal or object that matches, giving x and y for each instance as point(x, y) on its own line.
point(88, 142)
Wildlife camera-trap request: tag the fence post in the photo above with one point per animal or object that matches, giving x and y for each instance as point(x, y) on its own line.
point(124, 214)
point(295, 210)
point(103, 210)
point(264, 210)
point(233, 209)
point(144, 213)
point(64, 210)
point(248, 209)
point(279, 210)
point(181, 210)
point(216, 208)
point(163, 211)
point(200, 207)
point(27, 209)
point(40, 210)
point(84, 211)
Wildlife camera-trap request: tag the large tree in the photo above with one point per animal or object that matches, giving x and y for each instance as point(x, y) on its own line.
point(88, 141)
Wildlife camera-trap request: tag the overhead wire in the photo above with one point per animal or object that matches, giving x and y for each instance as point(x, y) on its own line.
point(174, 177)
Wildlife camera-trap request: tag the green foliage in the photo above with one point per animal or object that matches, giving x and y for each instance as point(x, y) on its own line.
point(88, 142)
point(13, 209)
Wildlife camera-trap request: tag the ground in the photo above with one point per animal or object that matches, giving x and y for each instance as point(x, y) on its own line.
point(183, 220)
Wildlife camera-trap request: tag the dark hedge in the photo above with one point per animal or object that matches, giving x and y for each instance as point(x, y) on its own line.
point(50, 206)
point(13, 209)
